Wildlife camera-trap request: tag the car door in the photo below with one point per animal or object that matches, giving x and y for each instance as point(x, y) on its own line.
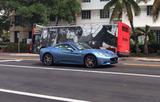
point(67, 54)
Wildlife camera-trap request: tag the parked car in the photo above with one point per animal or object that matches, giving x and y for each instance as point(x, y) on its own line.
point(77, 53)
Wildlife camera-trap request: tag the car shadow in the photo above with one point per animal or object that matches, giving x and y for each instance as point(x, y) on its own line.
point(76, 66)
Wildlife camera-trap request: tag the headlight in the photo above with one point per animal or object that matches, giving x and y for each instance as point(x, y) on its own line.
point(103, 55)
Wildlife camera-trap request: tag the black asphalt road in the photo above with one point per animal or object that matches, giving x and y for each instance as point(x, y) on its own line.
point(118, 83)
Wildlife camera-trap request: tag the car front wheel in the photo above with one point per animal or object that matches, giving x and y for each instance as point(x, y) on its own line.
point(90, 61)
point(48, 59)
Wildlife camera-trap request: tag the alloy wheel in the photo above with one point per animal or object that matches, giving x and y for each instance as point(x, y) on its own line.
point(90, 61)
point(48, 59)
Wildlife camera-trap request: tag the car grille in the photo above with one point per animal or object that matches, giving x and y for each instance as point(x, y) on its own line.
point(114, 59)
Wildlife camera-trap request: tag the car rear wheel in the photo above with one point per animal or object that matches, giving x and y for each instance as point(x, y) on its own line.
point(90, 61)
point(48, 59)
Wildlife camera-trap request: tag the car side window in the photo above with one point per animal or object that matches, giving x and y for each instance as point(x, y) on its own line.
point(64, 47)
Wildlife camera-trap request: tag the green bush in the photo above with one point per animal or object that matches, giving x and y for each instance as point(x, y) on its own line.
point(13, 47)
point(152, 48)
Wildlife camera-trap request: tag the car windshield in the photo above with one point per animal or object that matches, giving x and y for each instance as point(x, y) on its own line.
point(82, 46)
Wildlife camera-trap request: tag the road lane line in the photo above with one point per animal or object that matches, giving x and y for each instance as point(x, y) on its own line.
point(40, 96)
point(84, 71)
point(16, 60)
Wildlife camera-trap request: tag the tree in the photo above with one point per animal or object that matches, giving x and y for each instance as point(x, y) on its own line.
point(121, 6)
point(156, 9)
point(4, 24)
point(148, 36)
point(42, 11)
point(66, 10)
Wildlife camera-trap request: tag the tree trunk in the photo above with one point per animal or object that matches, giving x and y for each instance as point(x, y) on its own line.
point(135, 37)
point(57, 20)
point(1, 32)
point(145, 45)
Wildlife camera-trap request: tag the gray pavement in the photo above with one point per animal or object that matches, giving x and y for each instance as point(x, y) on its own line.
point(118, 83)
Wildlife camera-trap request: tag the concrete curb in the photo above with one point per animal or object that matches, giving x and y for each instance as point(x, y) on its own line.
point(148, 59)
point(141, 59)
point(121, 58)
point(19, 54)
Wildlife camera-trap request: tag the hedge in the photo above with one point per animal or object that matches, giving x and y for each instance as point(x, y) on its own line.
point(13, 47)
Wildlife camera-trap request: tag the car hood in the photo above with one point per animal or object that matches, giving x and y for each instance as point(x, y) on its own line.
point(101, 51)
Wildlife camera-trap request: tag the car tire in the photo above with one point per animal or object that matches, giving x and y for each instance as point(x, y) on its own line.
point(48, 59)
point(90, 61)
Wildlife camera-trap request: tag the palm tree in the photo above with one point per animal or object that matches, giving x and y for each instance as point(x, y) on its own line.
point(147, 33)
point(122, 6)
point(156, 9)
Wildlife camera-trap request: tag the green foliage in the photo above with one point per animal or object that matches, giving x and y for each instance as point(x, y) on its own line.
point(121, 6)
point(146, 32)
point(4, 25)
point(152, 38)
point(40, 11)
point(13, 47)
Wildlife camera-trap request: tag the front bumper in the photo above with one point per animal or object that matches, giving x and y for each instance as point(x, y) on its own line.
point(107, 61)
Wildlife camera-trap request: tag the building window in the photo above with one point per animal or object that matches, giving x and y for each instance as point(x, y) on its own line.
point(86, 14)
point(149, 10)
point(86, 0)
point(104, 14)
point(18, 20)
point(104, 0)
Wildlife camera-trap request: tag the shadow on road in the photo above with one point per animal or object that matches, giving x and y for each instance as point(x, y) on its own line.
point(74, 66)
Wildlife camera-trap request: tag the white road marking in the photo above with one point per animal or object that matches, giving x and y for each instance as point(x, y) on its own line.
point(83, 71)
point(40, 96)
point(10, 60)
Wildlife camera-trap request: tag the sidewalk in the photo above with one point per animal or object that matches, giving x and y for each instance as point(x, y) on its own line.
point(24, 56)
point(146, 59)
point(36, 56)
point(21, 54)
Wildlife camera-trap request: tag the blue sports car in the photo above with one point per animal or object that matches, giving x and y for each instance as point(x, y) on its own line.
point(77, 53)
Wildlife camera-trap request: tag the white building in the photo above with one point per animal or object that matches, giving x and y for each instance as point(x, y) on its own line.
point(145, 18)
point(92, 15)
point(92, 12)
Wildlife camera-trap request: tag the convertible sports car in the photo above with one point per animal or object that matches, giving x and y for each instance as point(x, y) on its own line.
point(77, 53)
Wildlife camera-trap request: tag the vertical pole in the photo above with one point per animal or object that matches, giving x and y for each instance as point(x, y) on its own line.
point(18, 42)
